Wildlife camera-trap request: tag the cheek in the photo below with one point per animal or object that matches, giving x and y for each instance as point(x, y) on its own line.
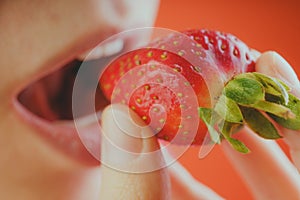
point(97, 20)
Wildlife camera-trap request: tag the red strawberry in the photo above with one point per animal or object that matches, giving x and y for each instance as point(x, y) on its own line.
point(166, 82)
point(161, 86)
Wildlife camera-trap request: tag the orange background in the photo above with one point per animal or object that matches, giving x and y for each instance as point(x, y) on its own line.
point(263, 25)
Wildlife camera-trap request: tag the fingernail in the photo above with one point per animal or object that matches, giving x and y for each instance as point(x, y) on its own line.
point(273, 64)
point(121, 137)
point(286, 73)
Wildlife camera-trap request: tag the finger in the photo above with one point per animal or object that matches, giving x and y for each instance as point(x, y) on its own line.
point(130, 169)
point(274, 65)
point(185, 186)
point(266, 170)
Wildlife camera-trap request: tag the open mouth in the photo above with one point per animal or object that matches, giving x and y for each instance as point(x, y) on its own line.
point(50, 97)
point(46, 103)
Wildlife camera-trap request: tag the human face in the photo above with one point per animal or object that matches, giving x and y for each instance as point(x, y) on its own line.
point(43, 38)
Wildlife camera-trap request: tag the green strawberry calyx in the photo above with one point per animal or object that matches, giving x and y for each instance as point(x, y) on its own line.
point(255, 100)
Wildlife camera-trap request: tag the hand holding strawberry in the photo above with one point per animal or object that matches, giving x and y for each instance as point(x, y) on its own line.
point(267, 163)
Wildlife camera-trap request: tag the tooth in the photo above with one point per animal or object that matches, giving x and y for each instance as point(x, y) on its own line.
point(103, 50)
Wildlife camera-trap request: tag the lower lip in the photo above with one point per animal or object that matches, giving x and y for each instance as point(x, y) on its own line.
point(64, 136)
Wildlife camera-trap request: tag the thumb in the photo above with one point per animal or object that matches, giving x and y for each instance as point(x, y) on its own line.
point(273, 64)
point(132, 164)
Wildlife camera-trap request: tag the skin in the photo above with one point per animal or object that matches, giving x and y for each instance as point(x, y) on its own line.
point(32, 169)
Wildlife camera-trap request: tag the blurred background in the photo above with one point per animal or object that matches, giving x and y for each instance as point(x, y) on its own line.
point(263, 25)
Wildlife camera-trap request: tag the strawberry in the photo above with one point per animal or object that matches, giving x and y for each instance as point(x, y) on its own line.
point(179, 77)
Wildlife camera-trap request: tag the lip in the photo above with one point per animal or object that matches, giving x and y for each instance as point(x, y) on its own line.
point(54, 121)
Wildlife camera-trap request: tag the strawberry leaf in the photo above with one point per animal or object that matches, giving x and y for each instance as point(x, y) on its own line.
point(275, 109)
point(259, 123)
point(228, 110)
point(273, 86)
point(294, 106)
point(227, 129)
point(209, 117)
point(244, 91)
